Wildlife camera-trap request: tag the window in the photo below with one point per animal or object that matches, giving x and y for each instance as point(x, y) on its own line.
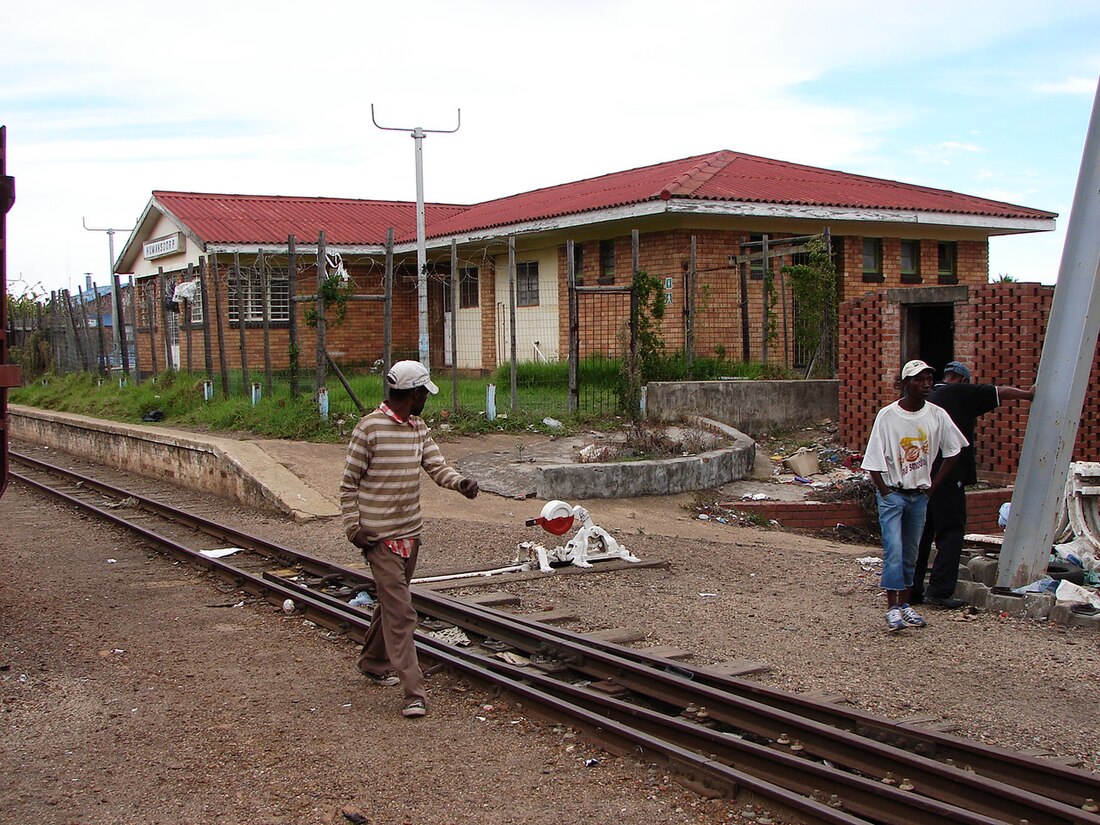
point(872, 259)
point(910, 262)
point(249, 294)
point(527, 284)
point(144, 296)
point(756, 268)
point(196, 307)
point(578, 263)
point(948, 262)
point(607, 262)
point(468, 287)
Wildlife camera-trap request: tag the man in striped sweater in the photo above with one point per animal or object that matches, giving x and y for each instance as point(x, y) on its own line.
point(380, 504)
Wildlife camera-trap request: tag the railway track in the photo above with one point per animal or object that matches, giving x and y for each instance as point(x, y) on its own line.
point(812, 759)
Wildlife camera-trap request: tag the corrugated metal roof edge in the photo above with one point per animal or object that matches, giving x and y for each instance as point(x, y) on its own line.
point(157, 193)
point(1027, 214)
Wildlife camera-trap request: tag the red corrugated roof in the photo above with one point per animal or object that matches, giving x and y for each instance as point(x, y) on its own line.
point(269, 219)
point(724, 176)
point(719, 176)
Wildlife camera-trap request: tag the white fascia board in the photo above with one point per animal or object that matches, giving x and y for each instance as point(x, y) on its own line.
point(844, 213)
point(300, 249)
point(138, 229)
point(617, 213)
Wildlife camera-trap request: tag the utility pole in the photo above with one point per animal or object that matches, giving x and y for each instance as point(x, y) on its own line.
point(418, 134)
point(116, 298)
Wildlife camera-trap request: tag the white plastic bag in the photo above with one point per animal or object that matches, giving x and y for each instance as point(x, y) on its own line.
point(1076, 594)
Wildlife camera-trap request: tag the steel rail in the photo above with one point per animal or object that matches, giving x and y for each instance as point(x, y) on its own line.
point(860, 795)
point(1041, 776)
point(638, 677)
point(324, 613)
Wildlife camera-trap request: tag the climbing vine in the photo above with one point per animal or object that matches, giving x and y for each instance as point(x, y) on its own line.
point(334, 291)
point(814, 288)
point(648, 310)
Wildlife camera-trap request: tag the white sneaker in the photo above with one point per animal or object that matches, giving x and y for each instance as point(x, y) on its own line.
point(911, 617)
point(894, 620)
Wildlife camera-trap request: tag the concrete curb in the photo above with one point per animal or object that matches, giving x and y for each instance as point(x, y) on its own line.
point(239, 470)
point(628, 479)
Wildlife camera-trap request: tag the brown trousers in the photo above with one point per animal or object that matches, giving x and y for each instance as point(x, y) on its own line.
point(389, 643)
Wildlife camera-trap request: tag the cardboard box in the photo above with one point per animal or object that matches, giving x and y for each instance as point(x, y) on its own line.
point(803, 464)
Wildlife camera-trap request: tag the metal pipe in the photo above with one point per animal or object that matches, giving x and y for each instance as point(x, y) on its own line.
point(1069, 350)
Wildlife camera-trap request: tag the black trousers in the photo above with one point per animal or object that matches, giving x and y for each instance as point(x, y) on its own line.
point(946, 524)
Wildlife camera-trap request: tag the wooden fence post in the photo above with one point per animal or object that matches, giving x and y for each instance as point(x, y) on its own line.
point(134, 316)
point(265, 288)
point(242, 314)
point(223, 362)
point(204, 305)
point(293, 349)
point(320, 306)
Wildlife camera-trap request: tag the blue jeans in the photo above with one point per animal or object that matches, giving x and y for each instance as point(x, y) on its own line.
point(901, 516)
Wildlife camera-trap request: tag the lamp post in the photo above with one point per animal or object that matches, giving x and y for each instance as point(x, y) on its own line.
point(118, 337)
point(418, 134)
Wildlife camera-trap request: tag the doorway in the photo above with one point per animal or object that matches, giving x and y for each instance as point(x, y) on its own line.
point(929, 334)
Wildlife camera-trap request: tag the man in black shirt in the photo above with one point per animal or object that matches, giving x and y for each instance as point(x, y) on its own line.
point(946, 521)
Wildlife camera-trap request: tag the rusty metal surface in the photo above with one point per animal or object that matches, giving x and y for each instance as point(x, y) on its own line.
point(788, 753)
point(9, 375)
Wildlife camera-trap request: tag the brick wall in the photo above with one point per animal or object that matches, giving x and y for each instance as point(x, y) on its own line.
point(981, 512)
point(999, 333)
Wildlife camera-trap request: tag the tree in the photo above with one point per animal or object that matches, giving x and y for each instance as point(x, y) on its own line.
point(813, 285)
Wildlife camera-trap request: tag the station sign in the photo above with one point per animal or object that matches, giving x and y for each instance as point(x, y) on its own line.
point(160, 247)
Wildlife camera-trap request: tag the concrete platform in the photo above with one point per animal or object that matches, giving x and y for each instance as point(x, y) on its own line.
point(239, 470)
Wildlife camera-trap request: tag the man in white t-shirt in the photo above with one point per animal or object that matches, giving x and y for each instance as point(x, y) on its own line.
point(904, 441)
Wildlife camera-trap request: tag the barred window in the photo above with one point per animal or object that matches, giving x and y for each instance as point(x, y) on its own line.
point(527, 284)
point(468, 284)
point(249, 293)
point(607, 262)
point(196, 306)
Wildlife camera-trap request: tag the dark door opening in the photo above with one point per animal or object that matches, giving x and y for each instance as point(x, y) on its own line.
point(930, 334)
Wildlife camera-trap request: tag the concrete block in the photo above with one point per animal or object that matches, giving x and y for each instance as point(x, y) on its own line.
point(964, 574)
point(1010, 605)
point(984, 570)
point(1062, 613)
point(1038, 605)
point(979, 596)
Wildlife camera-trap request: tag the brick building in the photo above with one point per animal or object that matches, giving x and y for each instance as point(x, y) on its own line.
point(997, 329)
point(886, 235)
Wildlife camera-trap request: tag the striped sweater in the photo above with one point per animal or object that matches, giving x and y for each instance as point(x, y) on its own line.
point(380, 490)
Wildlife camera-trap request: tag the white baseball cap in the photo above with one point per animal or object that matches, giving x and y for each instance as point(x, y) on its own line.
point(407, 375)
point(915, 367)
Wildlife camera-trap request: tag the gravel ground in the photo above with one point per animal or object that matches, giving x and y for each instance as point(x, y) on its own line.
point(140, 691)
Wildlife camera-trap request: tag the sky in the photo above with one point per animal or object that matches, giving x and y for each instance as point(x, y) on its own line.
point(106, 101)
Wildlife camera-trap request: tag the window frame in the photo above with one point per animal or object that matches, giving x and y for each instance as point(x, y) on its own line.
point(872, 275)
point(469, 287)
point(253, 293)
point(912, 274)
point(607, 262)
point(950, 273)
point(527, 284)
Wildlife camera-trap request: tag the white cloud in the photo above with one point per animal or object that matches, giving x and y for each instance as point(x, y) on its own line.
point(1068, 86)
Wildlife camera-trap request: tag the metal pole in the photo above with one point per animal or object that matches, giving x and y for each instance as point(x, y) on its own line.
point(421, 253)
point(1069, 350)
point(574, 329)
point(418, 134)
point(455, 296)
point(387, 314)
point(512, 314)
point(116, 301)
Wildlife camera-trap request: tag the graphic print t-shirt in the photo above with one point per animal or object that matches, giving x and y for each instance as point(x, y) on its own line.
point(904, 444)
